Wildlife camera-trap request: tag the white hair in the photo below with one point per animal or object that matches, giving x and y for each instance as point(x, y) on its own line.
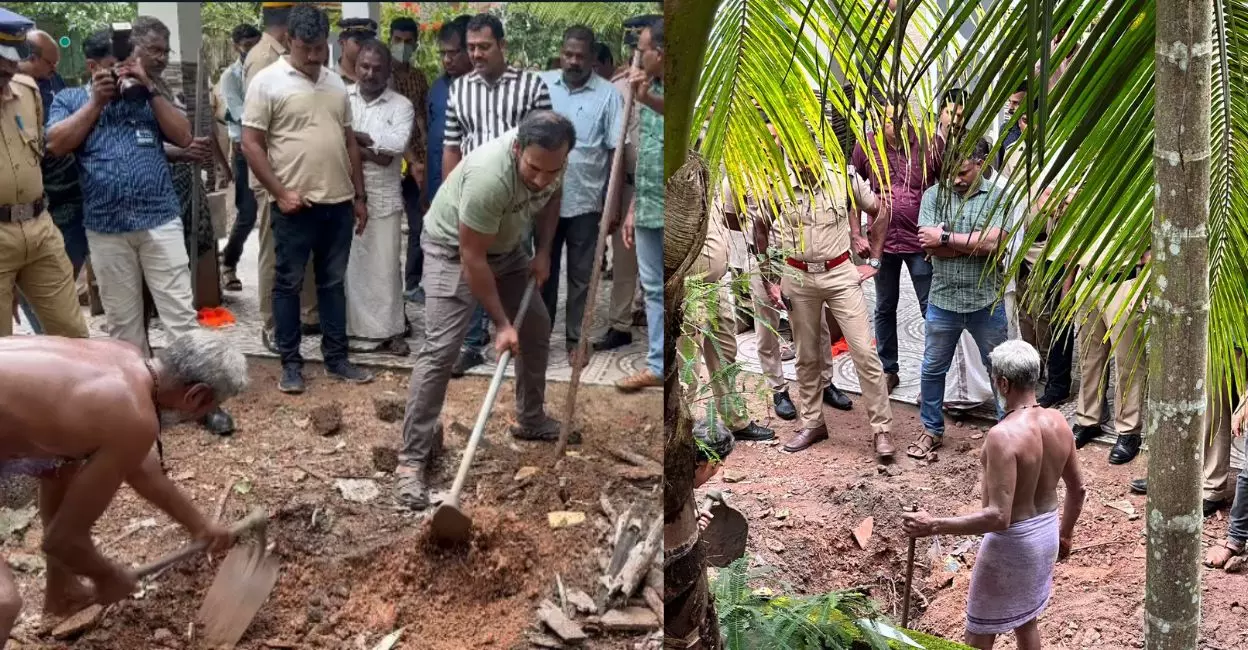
point(205, 357)
point(1017, 362)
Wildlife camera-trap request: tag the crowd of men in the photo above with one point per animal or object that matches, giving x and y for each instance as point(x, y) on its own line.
point(952, 221)
point(498, 173)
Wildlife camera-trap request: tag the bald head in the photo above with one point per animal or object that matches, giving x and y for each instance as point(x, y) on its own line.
point(44, 55)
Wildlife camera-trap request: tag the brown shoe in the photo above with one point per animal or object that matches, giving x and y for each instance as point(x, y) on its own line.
point(884, 448)
point(893, 380)
point(806, 438)
point(639, 381)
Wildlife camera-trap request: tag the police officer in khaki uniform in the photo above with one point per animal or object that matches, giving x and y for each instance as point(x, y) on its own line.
point(32, 251)
point(813, 232)
point(716, 337)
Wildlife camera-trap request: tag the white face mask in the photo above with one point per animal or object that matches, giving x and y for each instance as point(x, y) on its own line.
point(402, 52)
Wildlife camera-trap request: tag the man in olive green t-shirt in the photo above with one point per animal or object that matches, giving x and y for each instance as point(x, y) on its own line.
point(475, 244)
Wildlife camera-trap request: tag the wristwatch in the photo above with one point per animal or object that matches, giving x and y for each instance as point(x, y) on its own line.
point(944, 237)
point(362, 198)
point(874, 263)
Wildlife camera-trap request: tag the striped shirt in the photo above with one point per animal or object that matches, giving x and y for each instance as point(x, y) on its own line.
point(478, 111)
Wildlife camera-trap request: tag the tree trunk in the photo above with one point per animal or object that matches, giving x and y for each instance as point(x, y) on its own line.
point(1177, 317)
point(688, 611)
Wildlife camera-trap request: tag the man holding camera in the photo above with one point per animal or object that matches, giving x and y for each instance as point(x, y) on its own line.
point(32, 251)
point(116, 126)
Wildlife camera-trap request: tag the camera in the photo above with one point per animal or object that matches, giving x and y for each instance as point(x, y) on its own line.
point(129, 88)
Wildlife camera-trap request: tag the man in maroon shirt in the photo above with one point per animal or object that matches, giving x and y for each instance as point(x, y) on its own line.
point(899, 176)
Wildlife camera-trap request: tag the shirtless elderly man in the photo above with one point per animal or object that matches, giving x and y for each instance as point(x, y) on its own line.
point(1024, 456)
point(83, 416)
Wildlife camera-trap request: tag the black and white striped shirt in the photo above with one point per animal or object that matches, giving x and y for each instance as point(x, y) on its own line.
point(477, 112)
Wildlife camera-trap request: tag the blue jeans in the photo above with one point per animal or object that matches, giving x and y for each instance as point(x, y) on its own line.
point(887, 292)
point(415, 221)
point(478, 331)
point(75, 236)
point(650, 270)
point(988, 326)
point(323, 232)
point(1238, 529)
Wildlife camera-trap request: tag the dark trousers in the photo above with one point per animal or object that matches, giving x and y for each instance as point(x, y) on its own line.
point(580, 234)
point(324, 232)
point(415, 221)
point(245, 219)
point(1061, 348)
point(887, 292)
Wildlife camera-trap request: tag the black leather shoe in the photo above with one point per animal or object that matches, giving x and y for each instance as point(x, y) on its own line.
point(893, 380)
point(613, 339)
point(218, 422)
point(1084, 435)
point(832, 396)
point(1126, 449)
point(1139, 486)
point(468, 359)
point(754, 431)
point(1211, 507)
point(785, 410)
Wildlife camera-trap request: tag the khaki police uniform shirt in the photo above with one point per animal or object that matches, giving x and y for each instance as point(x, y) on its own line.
point(814, 227)
point(712, 264)
point(265, 53)
point(21, 127)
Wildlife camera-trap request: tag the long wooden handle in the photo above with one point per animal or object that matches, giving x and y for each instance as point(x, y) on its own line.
point(256, 519)
point(615, 189)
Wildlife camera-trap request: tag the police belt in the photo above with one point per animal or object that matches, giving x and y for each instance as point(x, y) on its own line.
point(819, 266)
point(21, 211)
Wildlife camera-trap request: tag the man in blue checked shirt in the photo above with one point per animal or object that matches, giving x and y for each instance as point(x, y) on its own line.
point(130, 210)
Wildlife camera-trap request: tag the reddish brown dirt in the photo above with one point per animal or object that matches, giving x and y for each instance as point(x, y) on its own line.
point(829, 488)
point(352, 572)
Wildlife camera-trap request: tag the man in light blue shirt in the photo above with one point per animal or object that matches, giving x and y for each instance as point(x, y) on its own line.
point(594, 107)
point(233, 91)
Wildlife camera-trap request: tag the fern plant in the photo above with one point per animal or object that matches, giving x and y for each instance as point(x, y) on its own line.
point(838, 620)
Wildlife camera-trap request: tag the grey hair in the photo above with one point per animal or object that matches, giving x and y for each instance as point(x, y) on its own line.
point(205, 357)
point(1017, 362)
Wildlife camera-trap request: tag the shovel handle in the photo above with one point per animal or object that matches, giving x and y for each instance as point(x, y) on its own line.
point(256, 519)
point(487, 406)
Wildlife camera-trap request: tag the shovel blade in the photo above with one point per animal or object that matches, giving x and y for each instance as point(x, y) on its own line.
point(450, 525)
point(243, 583)
point(724, 538)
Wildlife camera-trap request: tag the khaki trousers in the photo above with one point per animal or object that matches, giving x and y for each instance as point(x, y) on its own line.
point(623, 284)
point(717, 340)
point(1097, 337)
point(766, 327)
point(1218, 484)
point(268, 270)
point(839, 291)
point(33, 259)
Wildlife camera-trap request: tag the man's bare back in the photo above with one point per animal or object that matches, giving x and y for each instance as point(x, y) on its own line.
point(1040, 443)
point(83, 416)
point(65, 398)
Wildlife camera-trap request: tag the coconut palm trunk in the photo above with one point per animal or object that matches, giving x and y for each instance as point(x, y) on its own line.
point(689, 612)
point(1177, 316)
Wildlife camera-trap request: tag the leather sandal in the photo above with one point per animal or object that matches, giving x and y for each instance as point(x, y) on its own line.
point(806, 438)
point(884, 448)
point(1214, 558)
point(924, 445)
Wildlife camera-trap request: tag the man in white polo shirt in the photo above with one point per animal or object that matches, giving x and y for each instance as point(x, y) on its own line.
point(299, 144)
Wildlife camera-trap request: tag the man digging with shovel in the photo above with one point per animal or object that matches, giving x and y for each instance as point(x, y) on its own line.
point(83, 416)
point(476, 241)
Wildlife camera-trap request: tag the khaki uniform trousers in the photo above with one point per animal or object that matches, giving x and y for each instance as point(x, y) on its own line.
point(268, 269)
point(716, 340)
point(33, 259)
point(839, 291)
point(1126, 342)
point(1218, 483)
point(623, 283)
point(766, 327)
